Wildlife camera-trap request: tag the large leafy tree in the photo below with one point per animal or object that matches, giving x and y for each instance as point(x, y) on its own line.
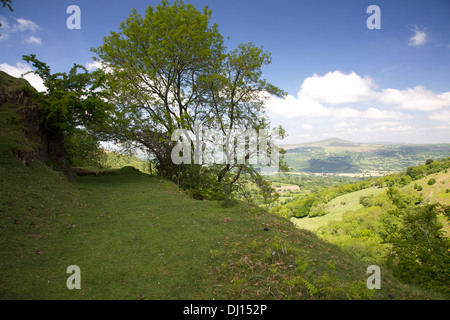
point(170, 70)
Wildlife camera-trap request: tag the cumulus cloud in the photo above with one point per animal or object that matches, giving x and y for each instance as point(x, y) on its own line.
point(24, 25)
point(419, 37)
point(337, 88)
point(296, 107)
point(93, 65)
point(21, 68)
point(21, 25)
point(371, 113)
point(5, 29)
point(443, 116)
point(324, 97)
point(417, 98)
point(33, 39)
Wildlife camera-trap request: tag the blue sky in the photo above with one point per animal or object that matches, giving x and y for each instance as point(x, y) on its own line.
point(343, 79)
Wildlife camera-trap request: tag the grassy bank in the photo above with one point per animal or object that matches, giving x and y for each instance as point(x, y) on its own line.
point(138, 237)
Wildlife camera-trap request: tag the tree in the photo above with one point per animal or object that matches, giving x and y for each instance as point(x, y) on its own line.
point(419, 251)
point(7, 3)
point(72, 104)
point(170, 70)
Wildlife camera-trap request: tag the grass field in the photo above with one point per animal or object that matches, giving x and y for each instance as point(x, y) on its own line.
point(336, 208)
point(138, 237)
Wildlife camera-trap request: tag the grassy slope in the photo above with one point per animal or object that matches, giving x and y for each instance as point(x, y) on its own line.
point(350, 202)
point(138, 237)
point(336, 208)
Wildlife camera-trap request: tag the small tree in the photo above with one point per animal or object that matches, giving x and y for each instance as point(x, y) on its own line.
point(419, 250)
point(72, 104)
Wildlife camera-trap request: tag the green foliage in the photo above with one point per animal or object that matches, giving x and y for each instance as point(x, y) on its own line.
point(431, 181)
point(404, 235)
point(83, 150)
point(314, 205)
point(72, 99)
point(420, 252)
point(73, 107)
point(301, 206)
point(7, 3)
point(117, 160)
point(169, 70)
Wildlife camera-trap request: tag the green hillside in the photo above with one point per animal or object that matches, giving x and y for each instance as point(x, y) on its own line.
point(336, 208)
point(136, 236)
point(404, 226)
point(341, 156)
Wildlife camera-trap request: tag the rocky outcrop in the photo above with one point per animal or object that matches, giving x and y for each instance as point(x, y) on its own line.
point(48, 147)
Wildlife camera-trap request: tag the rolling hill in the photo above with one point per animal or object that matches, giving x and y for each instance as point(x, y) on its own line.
point(336, 156)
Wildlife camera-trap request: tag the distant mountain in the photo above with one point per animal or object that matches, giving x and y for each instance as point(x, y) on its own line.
point(331, 142)
point(341, 156)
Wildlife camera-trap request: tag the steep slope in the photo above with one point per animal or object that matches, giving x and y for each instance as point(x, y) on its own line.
point(21, 125)
point(135, 236)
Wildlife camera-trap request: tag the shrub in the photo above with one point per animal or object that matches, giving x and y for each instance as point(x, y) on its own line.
point(84, 150)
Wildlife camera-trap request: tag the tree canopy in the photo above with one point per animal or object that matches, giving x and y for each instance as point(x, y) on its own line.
point(171, 70)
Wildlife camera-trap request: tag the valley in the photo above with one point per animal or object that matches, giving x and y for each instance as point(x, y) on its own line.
point(336, 156)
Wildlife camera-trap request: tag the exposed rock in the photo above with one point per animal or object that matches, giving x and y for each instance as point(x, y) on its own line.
point(42, 145)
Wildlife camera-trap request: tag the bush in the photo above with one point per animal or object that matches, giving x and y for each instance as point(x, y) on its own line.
point(366, 201)
point(84, 150)
point(431, 181)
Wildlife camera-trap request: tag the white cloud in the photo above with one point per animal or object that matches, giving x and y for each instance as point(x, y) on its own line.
point(371, 113)
point(5, 29)
point(337, 88)
point(322, 97)
point(33, 39)
point(21, 25)
point(333, 88)
point(24, 25)
point(419, 38)
point(443, 116)
point(418, 98)
point(360, 111)
point(19, 69)
point(93, 65)
point(296, 107)
point(384, 128)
